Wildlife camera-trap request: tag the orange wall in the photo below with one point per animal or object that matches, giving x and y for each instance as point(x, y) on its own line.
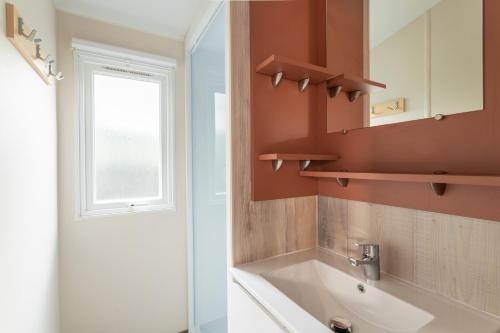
point(284, 120)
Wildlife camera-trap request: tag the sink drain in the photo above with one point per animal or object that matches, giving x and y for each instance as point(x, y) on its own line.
point(341, 325)
point(361, 288)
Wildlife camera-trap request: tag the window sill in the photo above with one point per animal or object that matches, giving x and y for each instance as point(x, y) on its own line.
point(101, 213)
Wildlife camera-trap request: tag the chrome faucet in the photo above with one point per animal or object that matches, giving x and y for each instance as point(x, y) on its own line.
point(370, 261)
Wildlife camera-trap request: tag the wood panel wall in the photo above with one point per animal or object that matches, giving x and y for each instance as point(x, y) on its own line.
point(450, 255)
point(267, 228)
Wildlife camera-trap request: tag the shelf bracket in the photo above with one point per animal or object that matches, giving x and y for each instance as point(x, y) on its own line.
point(276, 79)
point(276, 164)
point(439, 188)
point(334, 91)
point(303, 165)
point(354, 95)
point(303, 84)
point(342, 181)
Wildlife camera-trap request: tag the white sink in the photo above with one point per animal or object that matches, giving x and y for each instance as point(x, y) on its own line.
point(326, 293)
point(303, 291)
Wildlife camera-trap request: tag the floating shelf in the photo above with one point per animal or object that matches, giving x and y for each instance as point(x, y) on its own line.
point(438, 180)
point(279, 68)
point(354, 86)
point(303, 73)
point(304, 159)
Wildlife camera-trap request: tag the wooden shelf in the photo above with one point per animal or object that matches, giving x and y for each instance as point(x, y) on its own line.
point(303, 159)
point(438, 181)
point(294, 70)
point(279, 68)
point(353, 85)
point(297, 157)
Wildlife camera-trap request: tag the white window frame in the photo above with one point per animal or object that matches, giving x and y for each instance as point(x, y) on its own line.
point(98, 58)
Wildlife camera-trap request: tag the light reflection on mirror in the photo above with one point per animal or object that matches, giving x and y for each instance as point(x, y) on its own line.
point(429, 53)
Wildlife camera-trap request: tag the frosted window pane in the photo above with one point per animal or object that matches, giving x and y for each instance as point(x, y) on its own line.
point(126, 139)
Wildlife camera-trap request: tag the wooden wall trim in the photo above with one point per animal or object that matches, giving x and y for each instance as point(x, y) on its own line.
point(239, 86)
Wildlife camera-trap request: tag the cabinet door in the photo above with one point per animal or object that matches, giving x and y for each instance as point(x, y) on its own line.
point(246, 316)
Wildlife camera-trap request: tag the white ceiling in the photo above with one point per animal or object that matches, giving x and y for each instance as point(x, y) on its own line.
point(170, 18)
point(388, 16)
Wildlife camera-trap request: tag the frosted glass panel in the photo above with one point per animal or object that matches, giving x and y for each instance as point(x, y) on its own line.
point(127, 138)
point(220, 143)
point(209, 135)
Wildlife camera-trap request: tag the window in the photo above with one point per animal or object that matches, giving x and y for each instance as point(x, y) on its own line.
point(126, 127)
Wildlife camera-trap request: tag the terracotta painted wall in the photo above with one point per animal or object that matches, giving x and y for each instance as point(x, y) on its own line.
point(284, 120)
point(461, 144)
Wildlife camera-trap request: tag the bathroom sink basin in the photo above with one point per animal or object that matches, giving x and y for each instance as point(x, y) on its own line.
point(326, 293)
point(304, 291)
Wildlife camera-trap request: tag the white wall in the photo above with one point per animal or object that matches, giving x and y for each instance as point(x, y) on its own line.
point(447, 39)
point(121, 274)
point(399, 62)
point(28, 183)
point(457, 56)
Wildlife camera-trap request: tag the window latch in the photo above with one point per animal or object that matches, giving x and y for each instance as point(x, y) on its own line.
point(132, 205)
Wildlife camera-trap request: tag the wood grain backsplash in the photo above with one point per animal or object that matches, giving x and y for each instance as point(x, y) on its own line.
point(454, 256)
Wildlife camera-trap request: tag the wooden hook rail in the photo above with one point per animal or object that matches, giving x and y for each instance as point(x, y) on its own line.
point(24, 39)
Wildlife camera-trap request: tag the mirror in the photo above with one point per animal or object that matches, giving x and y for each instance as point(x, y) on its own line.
point(429, 53)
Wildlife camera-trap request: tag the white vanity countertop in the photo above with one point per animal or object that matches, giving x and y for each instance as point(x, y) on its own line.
point(449, 316)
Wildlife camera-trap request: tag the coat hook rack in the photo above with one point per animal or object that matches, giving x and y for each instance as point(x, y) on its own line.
point(23, 38)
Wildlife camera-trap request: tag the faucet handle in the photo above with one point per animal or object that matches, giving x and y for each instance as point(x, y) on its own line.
point(369, 250)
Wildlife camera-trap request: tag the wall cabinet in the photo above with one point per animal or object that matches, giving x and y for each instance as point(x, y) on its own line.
point(247, 316)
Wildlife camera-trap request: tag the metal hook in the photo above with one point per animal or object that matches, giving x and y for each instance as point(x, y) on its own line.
point(38, 41)
point(59, 76)
point(20, 24)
